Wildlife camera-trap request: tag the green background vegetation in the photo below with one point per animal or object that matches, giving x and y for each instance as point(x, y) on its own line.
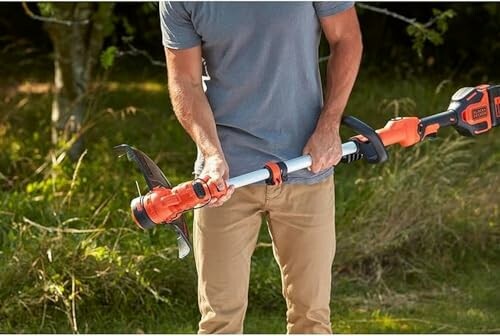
point(418, 237)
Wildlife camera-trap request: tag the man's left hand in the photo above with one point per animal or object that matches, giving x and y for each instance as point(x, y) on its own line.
point(324, 147)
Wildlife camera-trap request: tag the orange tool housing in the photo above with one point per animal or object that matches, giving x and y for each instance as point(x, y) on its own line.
point(403, 131)
point(165, 205)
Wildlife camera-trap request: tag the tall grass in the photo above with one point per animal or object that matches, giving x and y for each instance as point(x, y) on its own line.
point(72, 260)
point(423, 210)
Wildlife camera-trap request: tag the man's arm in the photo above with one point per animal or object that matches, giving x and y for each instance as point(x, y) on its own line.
point(194, 112)
point(344, 37)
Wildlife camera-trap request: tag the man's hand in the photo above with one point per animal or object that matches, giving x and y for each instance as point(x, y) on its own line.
point(324, 147)
point(216, 169)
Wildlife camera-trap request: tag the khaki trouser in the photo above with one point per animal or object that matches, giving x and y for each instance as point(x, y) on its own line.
point(300, 219)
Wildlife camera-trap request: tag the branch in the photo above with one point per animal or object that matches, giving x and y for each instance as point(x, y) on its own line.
point(137, 52)
point(323, 59)
point(385, 11)
point(51, 19)
point(411, 21)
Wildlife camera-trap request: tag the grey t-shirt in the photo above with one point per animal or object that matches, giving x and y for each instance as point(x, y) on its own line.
point(264, 84)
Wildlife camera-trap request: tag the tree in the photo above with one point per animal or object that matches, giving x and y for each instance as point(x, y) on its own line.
point(77, 31)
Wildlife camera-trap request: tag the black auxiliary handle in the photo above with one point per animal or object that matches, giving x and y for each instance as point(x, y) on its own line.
point(373, 150)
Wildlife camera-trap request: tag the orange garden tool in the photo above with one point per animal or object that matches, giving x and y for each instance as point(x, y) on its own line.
point(472, 111)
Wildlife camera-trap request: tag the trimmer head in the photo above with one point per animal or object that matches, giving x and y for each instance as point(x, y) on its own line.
point(154, 178)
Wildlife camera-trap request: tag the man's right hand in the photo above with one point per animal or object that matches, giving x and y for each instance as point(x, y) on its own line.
point(216, 169)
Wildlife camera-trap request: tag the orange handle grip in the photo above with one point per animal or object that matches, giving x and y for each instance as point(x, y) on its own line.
point(402, 131)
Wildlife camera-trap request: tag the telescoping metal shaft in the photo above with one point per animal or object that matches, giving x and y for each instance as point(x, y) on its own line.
point(292, 165)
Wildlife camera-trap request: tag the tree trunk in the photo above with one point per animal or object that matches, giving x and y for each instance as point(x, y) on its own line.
point(76, 50)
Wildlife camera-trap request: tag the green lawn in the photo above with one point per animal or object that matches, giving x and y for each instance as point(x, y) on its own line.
point(418, 237)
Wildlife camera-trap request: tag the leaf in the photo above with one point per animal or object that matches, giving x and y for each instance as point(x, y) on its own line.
point(46, 9)
point(108, 57)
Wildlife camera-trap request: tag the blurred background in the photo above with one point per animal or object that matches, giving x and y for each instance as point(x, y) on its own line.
point(418, 236)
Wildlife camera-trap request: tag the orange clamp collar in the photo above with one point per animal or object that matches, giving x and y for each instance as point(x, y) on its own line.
point(278, 173)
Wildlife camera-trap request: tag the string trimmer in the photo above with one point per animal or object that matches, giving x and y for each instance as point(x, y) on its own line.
point(472, 111)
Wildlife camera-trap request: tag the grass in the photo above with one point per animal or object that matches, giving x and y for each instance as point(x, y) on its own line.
point(418, 237)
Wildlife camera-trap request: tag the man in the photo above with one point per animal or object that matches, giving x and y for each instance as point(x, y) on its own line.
point(263, 102)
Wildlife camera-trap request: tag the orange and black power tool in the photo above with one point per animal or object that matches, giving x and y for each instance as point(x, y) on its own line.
point(472, 111)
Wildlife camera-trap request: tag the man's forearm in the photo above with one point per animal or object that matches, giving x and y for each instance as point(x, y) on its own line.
point(342, 69)
point(343, 35)
point(195, 115)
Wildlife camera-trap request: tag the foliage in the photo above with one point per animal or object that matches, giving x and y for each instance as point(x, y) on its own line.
point(422, 32)
point(108, 57)
point(72, 259)
point(46, 9)
point(418, 237)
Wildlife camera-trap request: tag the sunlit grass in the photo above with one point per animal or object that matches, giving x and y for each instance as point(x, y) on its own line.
point(146, 86)
point(417, 236)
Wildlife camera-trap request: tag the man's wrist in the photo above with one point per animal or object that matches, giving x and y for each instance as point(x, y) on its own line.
point(330, 121)
point(212, 151)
